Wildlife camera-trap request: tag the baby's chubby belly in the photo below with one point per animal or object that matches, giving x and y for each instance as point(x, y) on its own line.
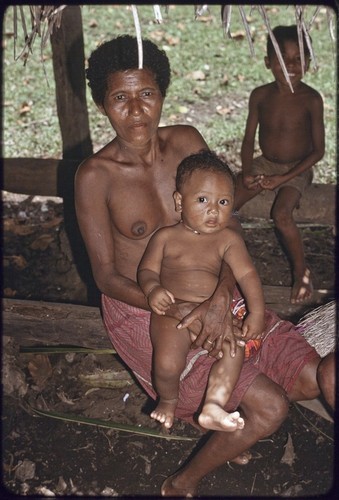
point(192, 286)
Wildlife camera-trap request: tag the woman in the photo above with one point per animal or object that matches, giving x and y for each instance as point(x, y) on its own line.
point(123, 195)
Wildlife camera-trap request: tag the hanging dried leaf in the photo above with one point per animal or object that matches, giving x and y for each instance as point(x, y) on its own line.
point(289, 455)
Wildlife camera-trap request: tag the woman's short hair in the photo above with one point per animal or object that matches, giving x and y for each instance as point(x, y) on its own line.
point(120, 54)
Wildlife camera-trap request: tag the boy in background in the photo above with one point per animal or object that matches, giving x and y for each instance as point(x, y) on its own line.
point(291, 139)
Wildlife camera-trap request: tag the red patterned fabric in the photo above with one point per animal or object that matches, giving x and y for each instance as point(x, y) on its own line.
point(281, 356)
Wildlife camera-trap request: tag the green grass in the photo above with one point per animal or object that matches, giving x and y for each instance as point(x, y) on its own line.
point(217, 105)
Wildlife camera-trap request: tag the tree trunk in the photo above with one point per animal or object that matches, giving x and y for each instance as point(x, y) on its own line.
point(70, 84)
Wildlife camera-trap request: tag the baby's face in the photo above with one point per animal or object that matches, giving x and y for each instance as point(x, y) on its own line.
point(207, 201)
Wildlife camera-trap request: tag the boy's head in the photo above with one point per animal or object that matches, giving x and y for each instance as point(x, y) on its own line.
point(205, 193)
point(206, 161)
point(121, 54)
point(284, 34)
point(288, 41)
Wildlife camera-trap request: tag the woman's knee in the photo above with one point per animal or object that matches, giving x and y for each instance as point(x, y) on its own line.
point(326, 378)
point(267, 408)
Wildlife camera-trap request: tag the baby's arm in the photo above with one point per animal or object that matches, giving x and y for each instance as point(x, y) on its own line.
point(246, 275)
point(159, 299)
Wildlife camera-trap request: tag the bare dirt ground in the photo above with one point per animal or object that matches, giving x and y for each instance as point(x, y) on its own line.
point(48, 456)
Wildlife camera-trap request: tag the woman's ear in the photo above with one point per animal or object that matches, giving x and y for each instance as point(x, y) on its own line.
point(177, 200)
point(101, 109)
point(267, 62)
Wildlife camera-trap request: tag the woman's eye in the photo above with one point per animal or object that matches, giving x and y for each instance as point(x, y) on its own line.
point(119, 97)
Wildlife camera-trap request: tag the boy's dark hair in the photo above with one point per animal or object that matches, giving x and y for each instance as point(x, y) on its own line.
point(205, 160)
point(283, 34)
point(120, 54)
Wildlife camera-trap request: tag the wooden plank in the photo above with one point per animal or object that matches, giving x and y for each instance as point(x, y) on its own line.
point(38, 176)
point(318, 204)
point(50, 177)
point(51, 323)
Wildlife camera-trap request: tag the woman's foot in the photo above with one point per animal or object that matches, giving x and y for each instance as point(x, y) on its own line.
point(302, 288)
point(215, 418)
point(170, 489)
point(164, 412)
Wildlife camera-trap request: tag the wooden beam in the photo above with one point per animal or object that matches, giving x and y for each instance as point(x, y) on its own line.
point(49, 323)
point(38, 176)
point(318, 205)
point(50, 177)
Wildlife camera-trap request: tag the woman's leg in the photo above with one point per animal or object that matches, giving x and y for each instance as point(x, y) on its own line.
point(264, 408)
point(317, 376)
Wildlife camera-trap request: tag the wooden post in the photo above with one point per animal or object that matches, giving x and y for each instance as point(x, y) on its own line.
point(70, 86)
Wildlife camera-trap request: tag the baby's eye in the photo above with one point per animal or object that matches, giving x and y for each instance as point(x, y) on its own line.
point(224, 202)
point(202, 199)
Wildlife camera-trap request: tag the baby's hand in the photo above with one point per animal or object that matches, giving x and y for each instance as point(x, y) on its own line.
point(160, 300)
point(253, 326)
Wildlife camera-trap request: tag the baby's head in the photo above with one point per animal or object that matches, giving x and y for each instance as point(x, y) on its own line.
point(285, 34)
point(206, 161)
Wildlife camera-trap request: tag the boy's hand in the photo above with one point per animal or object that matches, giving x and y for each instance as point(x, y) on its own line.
point(271, 182)
point(252, 182)
point(253, 326)
point(160, 300)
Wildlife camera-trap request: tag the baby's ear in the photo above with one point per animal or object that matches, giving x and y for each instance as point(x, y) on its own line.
point(177, 200)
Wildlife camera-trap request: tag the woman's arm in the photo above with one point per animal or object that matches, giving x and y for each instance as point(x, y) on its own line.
point(96, 229)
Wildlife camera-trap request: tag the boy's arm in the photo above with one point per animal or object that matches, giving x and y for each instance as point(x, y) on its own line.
point(247, 147)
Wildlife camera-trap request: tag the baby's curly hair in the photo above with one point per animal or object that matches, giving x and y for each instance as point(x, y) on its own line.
point(205, 160)
point(121, 54)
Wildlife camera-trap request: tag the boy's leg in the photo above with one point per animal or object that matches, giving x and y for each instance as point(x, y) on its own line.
point(286, 201)
point(242, 195)
point(170, 348)
point(223, 376)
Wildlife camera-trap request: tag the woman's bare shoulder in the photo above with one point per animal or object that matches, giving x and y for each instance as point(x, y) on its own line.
point(182, 134)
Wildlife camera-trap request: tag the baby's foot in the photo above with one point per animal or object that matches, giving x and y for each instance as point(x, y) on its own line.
point(215, 418)
point(302, 288)
point(164, 412)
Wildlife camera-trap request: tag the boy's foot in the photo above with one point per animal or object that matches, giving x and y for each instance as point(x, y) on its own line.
point(302, 288)
point(215, 418)
point(164, 412)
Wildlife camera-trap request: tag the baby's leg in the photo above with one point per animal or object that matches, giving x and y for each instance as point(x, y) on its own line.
point(223, 377)
point(170, 348)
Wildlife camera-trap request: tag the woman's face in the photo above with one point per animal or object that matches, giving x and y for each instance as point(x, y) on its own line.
point(133, 105)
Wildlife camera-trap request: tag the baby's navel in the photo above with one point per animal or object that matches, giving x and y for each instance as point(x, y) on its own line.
point(139, 228)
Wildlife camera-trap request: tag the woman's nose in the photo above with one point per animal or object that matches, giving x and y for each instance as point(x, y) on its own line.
point(135, 107)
